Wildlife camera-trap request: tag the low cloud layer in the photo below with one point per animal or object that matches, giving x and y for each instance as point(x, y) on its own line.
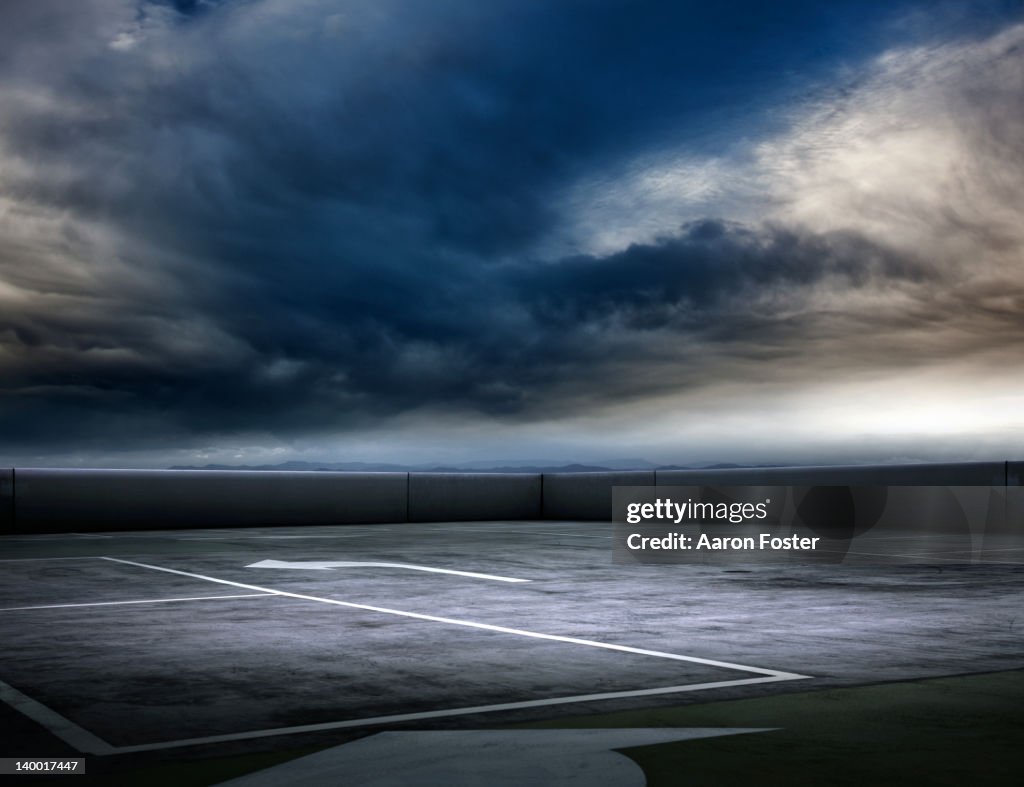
point(301, 219)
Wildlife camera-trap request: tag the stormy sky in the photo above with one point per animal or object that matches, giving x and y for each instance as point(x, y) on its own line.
point(249, 231)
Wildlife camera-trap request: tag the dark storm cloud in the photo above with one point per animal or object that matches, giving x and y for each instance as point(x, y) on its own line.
point(457, 119)
point(522, 341)
point(711, 265)
point(306, 216)
point(188, 7)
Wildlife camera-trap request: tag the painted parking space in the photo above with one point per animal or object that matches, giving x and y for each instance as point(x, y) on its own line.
point(177, 639)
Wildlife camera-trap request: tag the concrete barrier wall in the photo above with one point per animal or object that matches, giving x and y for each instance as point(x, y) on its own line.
point(587, 496)
point(946, 474)
point(6, 499)
point(440, 497)
point(61, 500)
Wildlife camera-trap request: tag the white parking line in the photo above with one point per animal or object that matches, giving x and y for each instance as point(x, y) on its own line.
point(65, 729)
point(472, 624)
point(519, 531)
point(275, 538)
point(87, 742)
point(330, 565)
point(438, 714)
point(32, 559)
point(142, 601)
point(552, 533)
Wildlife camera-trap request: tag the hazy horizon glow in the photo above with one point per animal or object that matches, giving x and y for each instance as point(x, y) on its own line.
point(255, 231)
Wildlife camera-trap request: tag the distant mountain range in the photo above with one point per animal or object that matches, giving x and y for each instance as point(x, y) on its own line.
point(496, 466)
